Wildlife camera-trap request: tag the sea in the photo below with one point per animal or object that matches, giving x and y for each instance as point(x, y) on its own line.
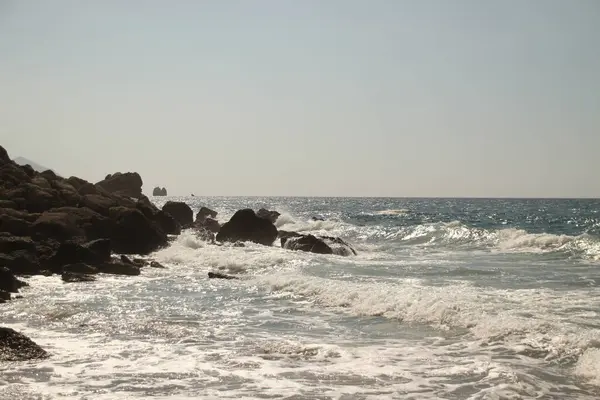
point(446, 299)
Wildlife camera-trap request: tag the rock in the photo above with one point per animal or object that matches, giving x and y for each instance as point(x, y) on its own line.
point(209, 224)
point(217, 275)
point(204, 213)
point(9, 244)
point(246, 226)
point(318, 218)
point(4, 296)
point(314, 244)
point(80, 268)
point(268, 215)
point(4, 158)
point(94, 252)
point(128, 184)
point(8, 281)
point(71, 223)
point(159, 192)
point(71, 277)
point(117, 268)
point(167, 223)
point(156, 264)
point(181, 212)
point(205, 235)
point(20, 263)
point(15, 226)
point(126, 260)
point(15, 346)
point(133, 233)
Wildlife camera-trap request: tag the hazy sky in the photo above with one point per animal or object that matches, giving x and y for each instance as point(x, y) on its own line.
point(301, 97)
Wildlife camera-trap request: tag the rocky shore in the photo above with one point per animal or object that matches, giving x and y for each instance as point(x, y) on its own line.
point(80, 230)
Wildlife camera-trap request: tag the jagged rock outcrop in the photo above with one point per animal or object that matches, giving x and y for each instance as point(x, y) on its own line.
point(182, 213)
point(15, 346)
point(316, 244)
point(245, 225)
point(268, 215)
point(127, 184)
point(204, 213)
point(157, 191)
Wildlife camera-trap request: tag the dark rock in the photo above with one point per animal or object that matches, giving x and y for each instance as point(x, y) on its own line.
point(71, 277)
point(205, 235)
point(80, 268)
point(98, 203)
point(239, 244)
point(204, 213)
point(181, 212)
point(4, 158)
point(126, 260)
point(128, 184)
point(116, 268)
point(15, 226)
point(4, 296)
point(287, 234)
point(314, 244)
point(8, 281)
point(211, 225)
point(101, 248)
point(49, 175)
point(246, 226)
point(7, 204)
point(318, 218)
point(15, 346)
point(9, 244)
point(133, 233)
point(156, 264)
point(68, 223)
point(140, 262)
point(217, 275)
point(20, 263)
point(159, 192)
point(268, 215)
point(167, 223)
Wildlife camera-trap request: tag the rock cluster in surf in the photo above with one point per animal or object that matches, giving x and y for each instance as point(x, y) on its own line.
point(73, 228)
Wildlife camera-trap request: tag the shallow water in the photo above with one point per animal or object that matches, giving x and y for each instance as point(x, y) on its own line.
point(447, 299)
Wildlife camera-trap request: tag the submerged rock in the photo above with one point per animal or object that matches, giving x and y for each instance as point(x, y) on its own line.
point(71, 277)
point(246, 226)
point(15, 346)
point(316, 244)
point(217, 275)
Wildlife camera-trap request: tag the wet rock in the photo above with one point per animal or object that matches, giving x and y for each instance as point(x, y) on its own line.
point(15, 346)
point(317, 244)
point(9, 244)
point(21, 263)
point(72, 277)
point(125, 184)
point(9, 282)
point(156, 264)
point(4, 296)
point(94, 252)
point(217, 275)
point(80, 268)
point(268, 215)
point(204, 213)
point(126, 260)
point(117, 268)
point(211, 225)
point(133, 233)
point(205, 235)
point(246, 226)
point(181, 212)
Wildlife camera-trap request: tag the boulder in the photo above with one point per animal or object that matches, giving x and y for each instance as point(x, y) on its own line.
point(159, 192)
point(134, 233)
point(268, 215)
point(209, 224)
point(21, 263)
point(204, 213)
point(126, 184)
point(317, 244)
point(167, 223)
point(72, 253)
point(181, 212)
point(71, 277)
point(9, 244)
point(15, 346)
point(4, 158)
point(71, 223)
point(246, 226)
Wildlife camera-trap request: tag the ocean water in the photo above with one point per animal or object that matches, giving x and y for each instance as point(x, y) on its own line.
point(447, 299)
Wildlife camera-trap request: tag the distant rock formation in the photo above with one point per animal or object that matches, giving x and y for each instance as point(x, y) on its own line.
point(159, 192)
point(128, 184)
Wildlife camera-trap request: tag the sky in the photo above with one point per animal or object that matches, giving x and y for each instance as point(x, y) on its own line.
point(428, 98)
